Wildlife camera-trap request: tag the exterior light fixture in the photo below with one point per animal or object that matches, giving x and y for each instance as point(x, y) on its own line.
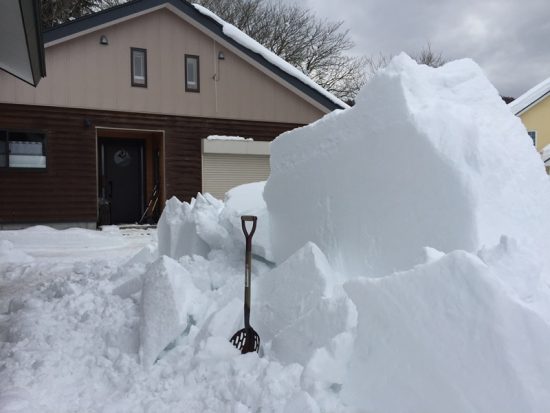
point(103, 40)
point(221, 56)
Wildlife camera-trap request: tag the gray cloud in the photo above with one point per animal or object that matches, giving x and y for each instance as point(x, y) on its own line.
point(510, 39)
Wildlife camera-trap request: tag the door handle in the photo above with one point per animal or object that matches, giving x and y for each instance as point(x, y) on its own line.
point(110, 195)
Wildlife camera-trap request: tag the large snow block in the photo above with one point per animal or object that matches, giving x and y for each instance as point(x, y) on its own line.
point(426, 157)
point(446, 337)
point(169, 303)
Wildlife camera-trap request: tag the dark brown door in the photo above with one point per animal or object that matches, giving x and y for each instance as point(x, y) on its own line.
point(122, 179)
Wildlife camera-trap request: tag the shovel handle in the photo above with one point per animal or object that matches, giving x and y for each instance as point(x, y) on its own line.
point(248, 265)
point(244, 220)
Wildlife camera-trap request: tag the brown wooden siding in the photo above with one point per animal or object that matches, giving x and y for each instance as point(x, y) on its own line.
point(66, 191)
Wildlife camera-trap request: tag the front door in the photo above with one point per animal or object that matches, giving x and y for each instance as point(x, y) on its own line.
point(121, 179)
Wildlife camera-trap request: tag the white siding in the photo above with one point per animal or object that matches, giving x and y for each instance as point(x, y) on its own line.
point(221, 172)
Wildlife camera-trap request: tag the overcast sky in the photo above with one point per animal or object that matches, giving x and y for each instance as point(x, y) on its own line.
point(510, 39)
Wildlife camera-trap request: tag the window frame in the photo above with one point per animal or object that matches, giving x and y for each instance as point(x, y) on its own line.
point(133, 77)
point(533, 136)
point(192, 89)
point(6, 141)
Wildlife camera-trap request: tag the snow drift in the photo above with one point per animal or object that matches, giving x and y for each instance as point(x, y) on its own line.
point(427, 157)
point(429, 174)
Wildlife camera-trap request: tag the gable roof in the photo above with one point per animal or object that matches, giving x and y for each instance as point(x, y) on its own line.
point(209, 23)
point(531, 97)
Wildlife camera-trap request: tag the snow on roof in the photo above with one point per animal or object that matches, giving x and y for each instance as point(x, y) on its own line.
point(530, 97)
point(227, 138)
point(251, 44)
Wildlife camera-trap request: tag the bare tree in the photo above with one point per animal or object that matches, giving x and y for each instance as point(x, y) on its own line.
point(55, 12)
point(319, 48)
point(425, 56)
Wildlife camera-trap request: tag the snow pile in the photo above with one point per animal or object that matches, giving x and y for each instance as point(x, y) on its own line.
point(448, 337)
point(410, 178)
point(10, 254)
point(427, 157)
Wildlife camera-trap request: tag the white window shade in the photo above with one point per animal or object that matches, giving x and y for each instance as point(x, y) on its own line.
point(24, 150)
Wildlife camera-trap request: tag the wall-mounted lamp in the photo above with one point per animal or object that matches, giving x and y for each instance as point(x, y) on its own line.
point(221, 56)
point(87, 123)
point(103, 40)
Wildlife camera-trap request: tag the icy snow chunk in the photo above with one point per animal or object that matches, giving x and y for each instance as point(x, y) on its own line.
point(170, 302)
point(248, 199)
point(222, 323)
point(426, 157)
point(446, 337)
point(207, 224)
point(177, 229)
point(298, 307)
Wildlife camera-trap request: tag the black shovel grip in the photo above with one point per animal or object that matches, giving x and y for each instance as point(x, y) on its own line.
point(244, 220)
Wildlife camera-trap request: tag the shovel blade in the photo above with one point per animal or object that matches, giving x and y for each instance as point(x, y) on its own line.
point(246, 340)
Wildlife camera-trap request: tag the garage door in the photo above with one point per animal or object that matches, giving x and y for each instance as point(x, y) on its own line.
point(229, 164)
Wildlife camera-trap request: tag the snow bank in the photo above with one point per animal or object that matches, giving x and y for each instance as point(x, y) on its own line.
point(411, 172)
point(38, 239)
point(446, 336)
point(10, 254)
point(426, 157)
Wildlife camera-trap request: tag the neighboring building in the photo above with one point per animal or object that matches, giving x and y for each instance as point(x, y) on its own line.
point(533, 107)
point(131, 93)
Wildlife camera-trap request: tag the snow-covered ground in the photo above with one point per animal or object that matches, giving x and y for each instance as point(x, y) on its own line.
point(400, 265)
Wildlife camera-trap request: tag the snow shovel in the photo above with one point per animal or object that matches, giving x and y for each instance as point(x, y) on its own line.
point(247, 339)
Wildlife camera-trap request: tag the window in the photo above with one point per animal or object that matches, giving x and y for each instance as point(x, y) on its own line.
point(22, 149)
point(192, 78)
point(533, 135)
point(139, 67)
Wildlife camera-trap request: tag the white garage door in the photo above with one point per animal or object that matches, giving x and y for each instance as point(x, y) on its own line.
point(221, 171)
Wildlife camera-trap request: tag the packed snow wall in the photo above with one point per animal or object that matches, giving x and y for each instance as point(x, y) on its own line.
point(426, 157)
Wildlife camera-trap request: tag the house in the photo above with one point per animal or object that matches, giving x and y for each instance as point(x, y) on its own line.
point(533, 107)
point(131, 92)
